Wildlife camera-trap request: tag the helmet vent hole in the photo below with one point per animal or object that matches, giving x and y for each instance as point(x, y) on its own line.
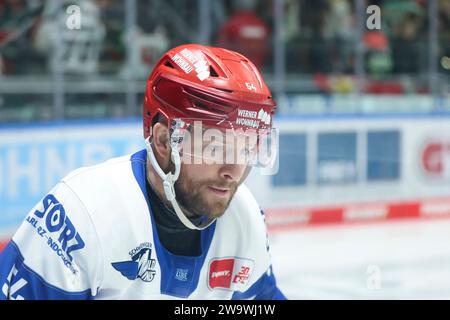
point(213, 72)
point(168, 64)
point(203, 106)
point(224, 90)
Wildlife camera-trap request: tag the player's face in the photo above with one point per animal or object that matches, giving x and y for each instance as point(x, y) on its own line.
point(207, 190)
point(207, 183)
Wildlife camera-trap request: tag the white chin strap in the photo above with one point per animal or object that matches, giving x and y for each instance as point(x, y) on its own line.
point(169, 182)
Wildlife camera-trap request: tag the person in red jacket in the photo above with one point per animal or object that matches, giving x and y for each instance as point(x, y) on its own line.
point(246, 32)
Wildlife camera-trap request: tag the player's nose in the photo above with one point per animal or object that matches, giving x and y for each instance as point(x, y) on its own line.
point(232, 172)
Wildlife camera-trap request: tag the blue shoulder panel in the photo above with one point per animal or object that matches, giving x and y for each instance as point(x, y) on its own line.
point(19, 282)
point(263, 289)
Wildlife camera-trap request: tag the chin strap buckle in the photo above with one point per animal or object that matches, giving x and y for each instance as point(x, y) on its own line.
point(169, 190)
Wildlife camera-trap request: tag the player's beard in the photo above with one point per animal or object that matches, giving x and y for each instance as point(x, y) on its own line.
point(192, 196)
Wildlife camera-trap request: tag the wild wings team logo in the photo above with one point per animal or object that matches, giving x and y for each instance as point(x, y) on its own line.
point(141, 266)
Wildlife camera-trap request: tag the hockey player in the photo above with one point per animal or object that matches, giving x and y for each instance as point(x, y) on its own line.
point(172, 220)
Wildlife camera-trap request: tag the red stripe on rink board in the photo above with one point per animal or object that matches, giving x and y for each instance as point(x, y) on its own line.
point(319, 216)
point(404, 210)
point(279, 219)
point(3, 245)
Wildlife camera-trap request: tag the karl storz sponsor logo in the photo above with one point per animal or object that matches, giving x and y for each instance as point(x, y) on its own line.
point(141, 266)
point(435, 158)
point(229, 273)
point(52, 224)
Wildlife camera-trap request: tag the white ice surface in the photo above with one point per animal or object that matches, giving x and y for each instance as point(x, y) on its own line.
point(338, 262)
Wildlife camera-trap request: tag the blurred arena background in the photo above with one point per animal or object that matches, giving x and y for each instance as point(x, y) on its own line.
point(360, 204)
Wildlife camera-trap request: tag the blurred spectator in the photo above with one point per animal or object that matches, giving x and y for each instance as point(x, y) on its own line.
point(145, 49)
point(405, 45)
point(74, 51)
point(291, 30)
point(444, 35)
point(339, 29)
point(375, 40)
point(444, 19)
point(17, 20)
point(378, 55)
point(113, 51)
point(314, 15)
point(341, 21)
point(246, 32)
point(2, 65)
point(320, 38)
point(326, 41)
point(394, 13)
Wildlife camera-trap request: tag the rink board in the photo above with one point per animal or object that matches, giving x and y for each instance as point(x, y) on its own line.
point(330, 169)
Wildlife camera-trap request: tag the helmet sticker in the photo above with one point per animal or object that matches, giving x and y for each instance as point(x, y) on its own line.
point(183, 64)
point(252, 119)
point(264, 116)
point(201, 66)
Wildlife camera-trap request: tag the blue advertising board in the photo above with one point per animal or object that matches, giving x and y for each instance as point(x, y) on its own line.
point(33, 160)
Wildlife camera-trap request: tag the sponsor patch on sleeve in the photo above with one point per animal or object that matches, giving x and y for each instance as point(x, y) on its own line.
point(230, 273)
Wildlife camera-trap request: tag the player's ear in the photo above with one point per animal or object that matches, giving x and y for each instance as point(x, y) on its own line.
point(161, 141)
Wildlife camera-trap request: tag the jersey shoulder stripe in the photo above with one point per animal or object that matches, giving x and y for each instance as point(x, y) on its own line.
point(21, 282)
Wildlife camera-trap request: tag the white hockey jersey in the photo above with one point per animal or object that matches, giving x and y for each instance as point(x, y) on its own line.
point(94, 237)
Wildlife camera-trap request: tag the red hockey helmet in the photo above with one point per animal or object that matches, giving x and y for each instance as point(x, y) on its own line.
point(218, 86)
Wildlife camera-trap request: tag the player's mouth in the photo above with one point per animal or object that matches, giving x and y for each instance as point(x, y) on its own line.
point(221, 192)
